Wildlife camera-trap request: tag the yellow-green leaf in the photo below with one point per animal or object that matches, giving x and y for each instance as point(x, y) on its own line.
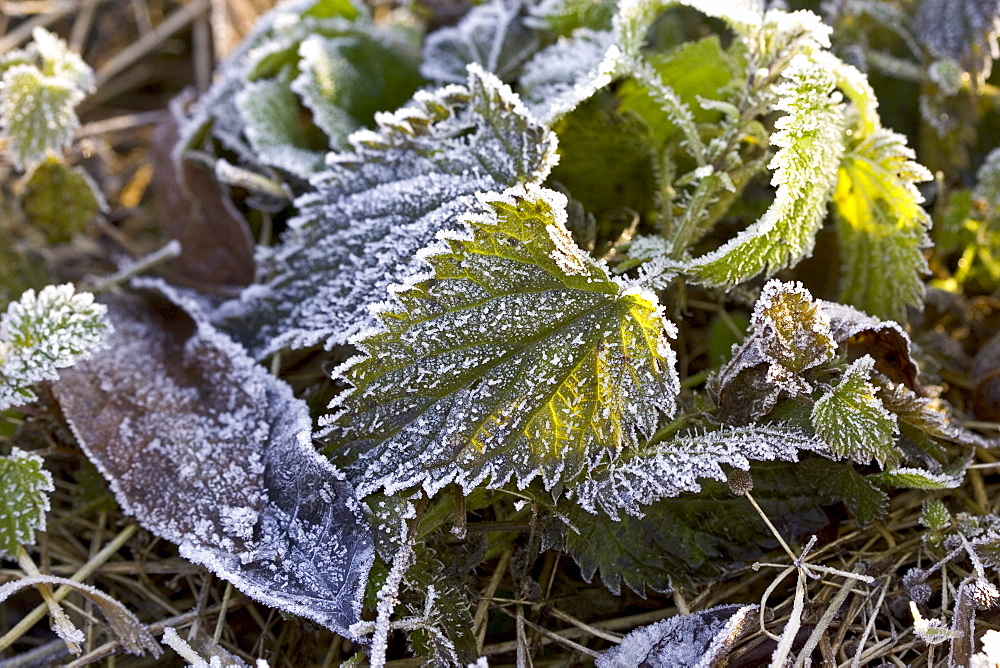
point(520, 355)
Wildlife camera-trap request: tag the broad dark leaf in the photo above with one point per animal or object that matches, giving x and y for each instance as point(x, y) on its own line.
point(209, 451)
point(695, 536)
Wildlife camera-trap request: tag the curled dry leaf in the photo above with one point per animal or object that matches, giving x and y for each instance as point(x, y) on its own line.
point(209, 451)
point(217, 249)
point(700, 640)
point(130, 632)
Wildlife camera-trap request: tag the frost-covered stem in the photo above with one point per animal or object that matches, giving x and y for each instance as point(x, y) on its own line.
point(388, 598)
point(690, 223)
point(674, 107)
point(767, 521)
point(780, 657)
point(179, 645)
point(61, 624)
point(35, 615)
point(169, 251)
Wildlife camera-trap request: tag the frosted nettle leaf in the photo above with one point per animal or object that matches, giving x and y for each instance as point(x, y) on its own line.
point(519, 356)
point(380, 203)
point(852, 419)
point(843, 482)
point(271, 113)
point(39, 88)
point(640, 477)
point(881, 225)
point(492, 35)
point(562, 76)
point(324, 56)
point(692, 537)
point(964, 30)
point(919, 479)
point(24, 499)
point(209, 451)
point(41, 334)
point(132, 634)
point(810, 141)
point(564, 16)
point(699, 640)
point(790, 334)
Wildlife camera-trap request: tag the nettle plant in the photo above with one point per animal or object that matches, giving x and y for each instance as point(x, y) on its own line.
point(509, 254)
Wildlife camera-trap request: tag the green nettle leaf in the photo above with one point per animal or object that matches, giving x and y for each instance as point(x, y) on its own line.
point(564, 16)
point(60, 199)
point(693, 70)
point(852, 419)
point(840, 481)
point(935, 515)
point(521, 355)
point(640, 476)
point(691, 537)
point(311, 72)
point(271, 113)
point(881, 225)
point(382, 201)
point(41, 334)
point(607, 160)
point(810, 141)
point(39, 88)
point(493, 35)
point(23, 499)
point(344, 81)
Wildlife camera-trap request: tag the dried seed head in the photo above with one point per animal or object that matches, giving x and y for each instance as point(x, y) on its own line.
point(740, 481)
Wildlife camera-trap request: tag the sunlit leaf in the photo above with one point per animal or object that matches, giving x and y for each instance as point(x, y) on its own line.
point(790, 334)
point(24, 500)
point(881, 225)
point(380, 203)
point(810, 141)
point(852, 419)
point(520, 355)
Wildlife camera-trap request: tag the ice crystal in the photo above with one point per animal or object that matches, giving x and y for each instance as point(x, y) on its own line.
point(492, 35)
point(676, 466)
point(40, 334)
point(24, 499)
point(852, 419)
point(40, 86)
point(502, 363)
point(378, 204)
point(209, 451)
point(699, 640)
